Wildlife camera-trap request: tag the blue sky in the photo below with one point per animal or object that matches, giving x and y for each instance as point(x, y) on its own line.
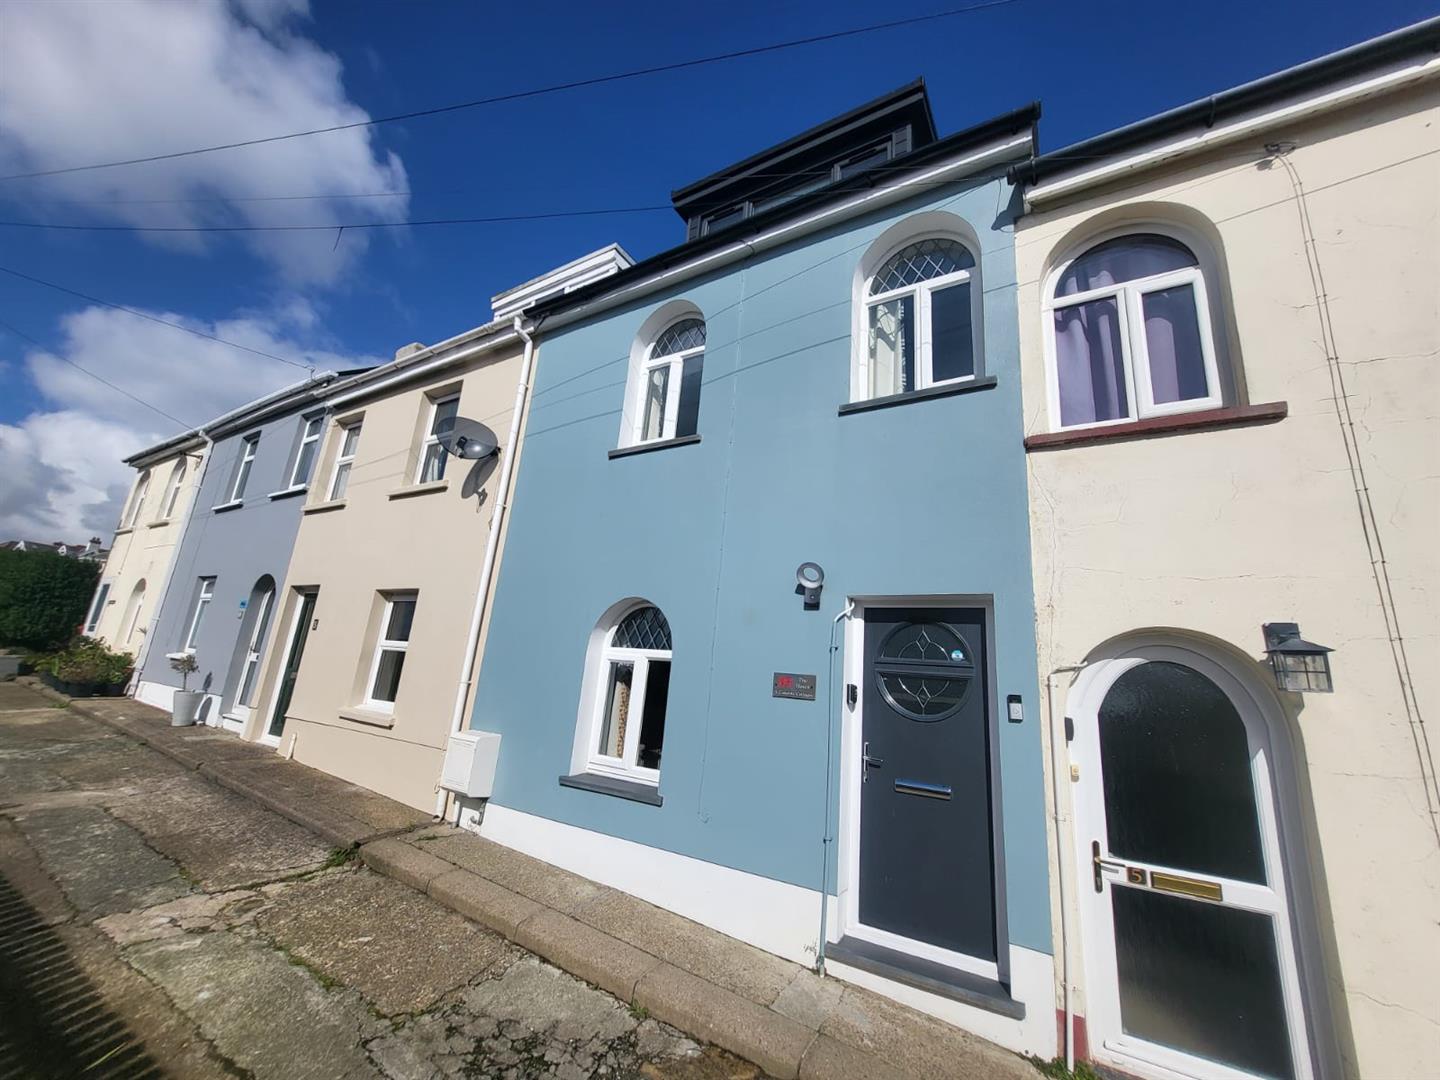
point(160, 76)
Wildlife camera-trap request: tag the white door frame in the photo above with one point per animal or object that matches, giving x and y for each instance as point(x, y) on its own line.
point(851, 739)
point(1108, 1043)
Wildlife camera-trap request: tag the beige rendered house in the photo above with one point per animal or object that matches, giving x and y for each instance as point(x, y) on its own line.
point(1230, 328)
point(137, 569)
point(383, 611)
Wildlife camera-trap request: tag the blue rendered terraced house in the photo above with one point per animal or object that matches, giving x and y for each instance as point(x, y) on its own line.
point(825, 372)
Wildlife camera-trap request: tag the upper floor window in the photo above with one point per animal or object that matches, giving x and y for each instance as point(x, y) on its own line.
point(1129, 334)
point(920, 318)
point(204, 594)
point(137, 501)
point(344, 459)
point(242, 469)
point(305, 453)
point(628, 727)
point(432, 455)
point(172, 490)
point(669, 385)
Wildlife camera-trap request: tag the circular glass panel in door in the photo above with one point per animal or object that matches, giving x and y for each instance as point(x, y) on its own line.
point(925, 670)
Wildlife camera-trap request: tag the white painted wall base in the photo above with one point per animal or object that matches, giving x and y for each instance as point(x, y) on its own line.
point(157, 694)
point(771, 915)
point(1032, 980)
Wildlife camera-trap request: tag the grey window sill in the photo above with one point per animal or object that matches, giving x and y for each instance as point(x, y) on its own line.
point(233, 504)
point(290, 492)
point(126, 529)
point(428, 488)
point(370, 719)
point(983, 382)
point(654, 444)
point(323, 507)
point(609, 785)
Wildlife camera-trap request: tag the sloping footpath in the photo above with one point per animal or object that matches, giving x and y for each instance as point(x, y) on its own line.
point(781, 1016)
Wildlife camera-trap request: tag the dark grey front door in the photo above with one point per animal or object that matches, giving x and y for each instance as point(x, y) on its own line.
point(926, 849)
point(292, 664)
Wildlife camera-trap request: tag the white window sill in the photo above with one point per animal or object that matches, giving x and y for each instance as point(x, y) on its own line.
point(428, 488)
point(124, 529)
point(601, 784)
point(323, 507)
point(158, 524)
point(290, 492)
point(233, 504)
point(369, 717)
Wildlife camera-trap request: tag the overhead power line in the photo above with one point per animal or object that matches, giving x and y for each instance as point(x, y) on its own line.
point(98, 378)
point(331, 227)
point(150, 318)
point(519, 95)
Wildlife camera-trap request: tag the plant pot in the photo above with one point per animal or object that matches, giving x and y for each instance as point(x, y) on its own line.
point(49, 679)
point(114, 689)
point(185, 707)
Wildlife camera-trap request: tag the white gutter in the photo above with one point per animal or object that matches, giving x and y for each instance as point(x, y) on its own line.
point(1062, 856)
point(415, 370)
point(1242, 128)
point(492, 545)
point(781, 234)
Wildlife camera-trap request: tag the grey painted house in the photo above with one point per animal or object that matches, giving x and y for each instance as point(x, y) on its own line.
point(220, 601)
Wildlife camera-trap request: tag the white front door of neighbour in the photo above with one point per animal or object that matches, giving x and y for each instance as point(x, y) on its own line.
point(1190, 966)
point(250, 670)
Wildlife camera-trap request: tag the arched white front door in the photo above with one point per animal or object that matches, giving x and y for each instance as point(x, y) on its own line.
point(1189, 943)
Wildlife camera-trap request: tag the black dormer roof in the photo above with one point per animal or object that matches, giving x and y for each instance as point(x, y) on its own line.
point(892, 125)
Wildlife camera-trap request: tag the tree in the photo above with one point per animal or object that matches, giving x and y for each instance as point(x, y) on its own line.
point(43, 597)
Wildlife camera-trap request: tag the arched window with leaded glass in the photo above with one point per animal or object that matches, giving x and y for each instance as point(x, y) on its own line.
point(668, 405)
point(628, 730)
point(921, 315)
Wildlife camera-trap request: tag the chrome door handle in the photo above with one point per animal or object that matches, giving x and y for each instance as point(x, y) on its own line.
point(868, 763)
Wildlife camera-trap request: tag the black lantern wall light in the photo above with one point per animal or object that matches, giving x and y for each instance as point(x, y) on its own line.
point(1300, 666)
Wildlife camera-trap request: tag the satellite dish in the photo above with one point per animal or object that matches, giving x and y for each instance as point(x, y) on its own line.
point(467, 439)
point(479, 472)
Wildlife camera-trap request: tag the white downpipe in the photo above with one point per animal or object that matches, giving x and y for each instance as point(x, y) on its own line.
point(492, 545)
point(1057, 740)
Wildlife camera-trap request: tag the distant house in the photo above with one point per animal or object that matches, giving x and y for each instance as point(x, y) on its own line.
point(235, 549)
point(90, 551)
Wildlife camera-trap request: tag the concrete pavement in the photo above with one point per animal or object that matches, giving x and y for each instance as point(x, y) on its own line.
point(659, 966)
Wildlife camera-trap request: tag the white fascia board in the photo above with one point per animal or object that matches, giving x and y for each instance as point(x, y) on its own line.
point(874, 199)
point(260, 408)
point(567, 278)
point(420, 365)
point(1243, 127)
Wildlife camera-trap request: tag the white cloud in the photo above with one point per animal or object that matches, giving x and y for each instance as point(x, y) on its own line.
point(91, 82)
point(62, 466)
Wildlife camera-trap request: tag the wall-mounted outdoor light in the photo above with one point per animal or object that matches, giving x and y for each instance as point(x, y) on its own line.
point(1300, 666)
point(809, 580)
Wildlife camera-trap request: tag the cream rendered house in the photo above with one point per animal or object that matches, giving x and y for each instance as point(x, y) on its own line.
point(382, 614)
point(1230, 331)
point(152, 521)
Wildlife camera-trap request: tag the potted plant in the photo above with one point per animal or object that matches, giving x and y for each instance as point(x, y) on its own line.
point(186, 705)
point(87, 668)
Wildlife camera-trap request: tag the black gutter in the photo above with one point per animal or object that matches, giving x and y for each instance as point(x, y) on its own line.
point(1006, 124)
point(1400, 44)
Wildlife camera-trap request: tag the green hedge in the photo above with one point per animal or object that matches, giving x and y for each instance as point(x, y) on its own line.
point(44, 597)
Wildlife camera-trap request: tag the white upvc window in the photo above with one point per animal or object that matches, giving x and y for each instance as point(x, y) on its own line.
point(1129, 334)
point(172, 490)
point(396, 622)
point(137, 501)
point(202, 604)
point(432, 455)
point(667, 404)
point(98, 608)
point(627, 728)
point(305, 453)
point(344, 459)
point(242, 469)
point(921, 314)
point(259, 629)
